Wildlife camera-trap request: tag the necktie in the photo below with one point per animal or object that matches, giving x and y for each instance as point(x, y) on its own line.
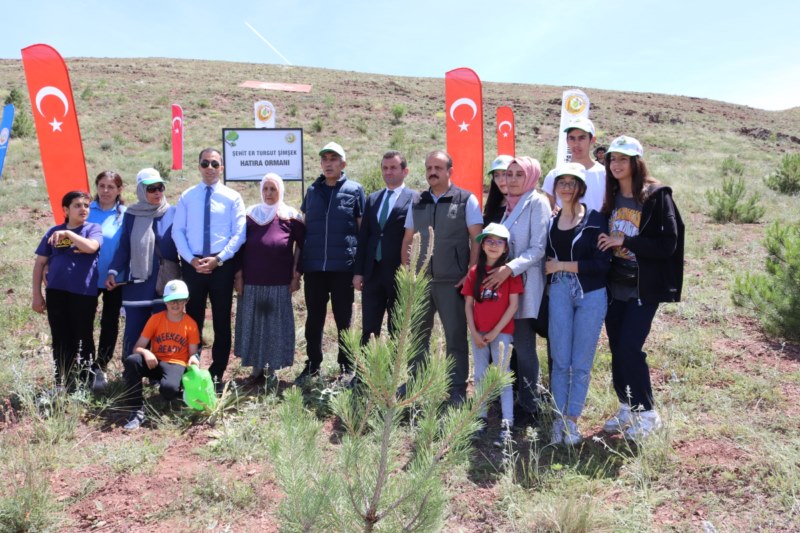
point(207, 223)
point(382, 221)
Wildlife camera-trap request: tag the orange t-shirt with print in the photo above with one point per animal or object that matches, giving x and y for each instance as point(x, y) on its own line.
point(169, 341)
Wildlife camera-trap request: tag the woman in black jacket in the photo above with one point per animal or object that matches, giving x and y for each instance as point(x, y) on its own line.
point(646, 236)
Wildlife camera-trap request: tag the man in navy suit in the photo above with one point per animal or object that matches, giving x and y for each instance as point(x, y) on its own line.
point(379, 241)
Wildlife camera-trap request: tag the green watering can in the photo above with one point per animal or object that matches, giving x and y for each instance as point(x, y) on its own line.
point(198, 389)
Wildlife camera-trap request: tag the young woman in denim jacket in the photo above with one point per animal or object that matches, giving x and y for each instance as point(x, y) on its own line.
point(577, 272)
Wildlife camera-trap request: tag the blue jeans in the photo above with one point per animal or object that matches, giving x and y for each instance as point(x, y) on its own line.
point(491, 352)
point(575, 321)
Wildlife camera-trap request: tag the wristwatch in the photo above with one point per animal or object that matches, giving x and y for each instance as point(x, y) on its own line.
point(219, 261)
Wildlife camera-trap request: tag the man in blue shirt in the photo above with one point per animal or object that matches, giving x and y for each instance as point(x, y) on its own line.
point(209, 228)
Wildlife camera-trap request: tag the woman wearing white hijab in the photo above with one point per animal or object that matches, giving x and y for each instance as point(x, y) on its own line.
point(265, 282)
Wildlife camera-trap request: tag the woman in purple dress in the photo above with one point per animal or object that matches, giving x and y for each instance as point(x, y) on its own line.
point(265, 282)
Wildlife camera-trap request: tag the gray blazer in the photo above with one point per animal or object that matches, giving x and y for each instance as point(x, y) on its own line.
point(527, 225)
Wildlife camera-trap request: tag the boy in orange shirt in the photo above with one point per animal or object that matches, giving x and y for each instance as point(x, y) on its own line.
point(174, 341)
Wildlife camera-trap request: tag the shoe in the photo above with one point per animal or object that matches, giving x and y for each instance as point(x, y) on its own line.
point(643, 424)
point(135, 420)
point(305, 375)
point(558, 432)
point(572, 435)
point(505, 436)
point(619, 421)
point(523, 418)
point(100, 382)
point(481, 433)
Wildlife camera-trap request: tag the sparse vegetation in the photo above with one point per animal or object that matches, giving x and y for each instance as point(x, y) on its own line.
point(730, 204)
point(774, 295)
point(398, 110)
point(786, 179)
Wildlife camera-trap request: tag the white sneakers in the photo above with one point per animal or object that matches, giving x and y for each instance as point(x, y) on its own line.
point(566, 431)
point(619, 421)
point(643, 424)
point(635, 425)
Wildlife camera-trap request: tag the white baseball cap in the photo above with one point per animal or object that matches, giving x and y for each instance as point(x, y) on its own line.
point(501, 163)
point(336, 148)
point(581, 123)
point(572, 169)
point(175, 290)
point(498, 230)
point(626, 145)
point(148, 176)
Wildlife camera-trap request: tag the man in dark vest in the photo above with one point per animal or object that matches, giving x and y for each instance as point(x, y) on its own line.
point(333, 207)
point(455, 216)
point(379, 242)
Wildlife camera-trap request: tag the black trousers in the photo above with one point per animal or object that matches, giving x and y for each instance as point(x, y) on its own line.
point(168, 375)
point(627, 326)
point(217, 287)
point(109, 326)
point(319, 287)
point(71, 318)
point(378, 297)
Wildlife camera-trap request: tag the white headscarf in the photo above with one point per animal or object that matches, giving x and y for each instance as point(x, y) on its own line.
point(263, 213)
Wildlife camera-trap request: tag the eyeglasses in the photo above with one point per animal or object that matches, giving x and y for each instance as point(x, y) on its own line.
point(205, 163)
point(568, 185)
point(155, 188)
point(494, 242)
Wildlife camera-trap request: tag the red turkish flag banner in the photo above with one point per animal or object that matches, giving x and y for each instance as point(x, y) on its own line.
point(464, 109)
point(177, 137)
point(56, 119)
point(505, 131)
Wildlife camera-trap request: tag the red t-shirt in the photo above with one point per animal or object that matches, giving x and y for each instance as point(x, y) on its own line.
point(489, 312)
point(169, 341)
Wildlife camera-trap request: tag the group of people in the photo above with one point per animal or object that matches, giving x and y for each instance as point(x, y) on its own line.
point(600, 242)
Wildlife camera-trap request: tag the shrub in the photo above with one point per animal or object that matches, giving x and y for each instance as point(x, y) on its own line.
point(15, 97)
point(163, 168)
point(731, 167)
point(729, 204)
point(774, 295)
point(547, 160)
point(372, 180)
point(23, 124)
point(786, 179)
point(397, 112)
point(292, 110)
point(317, 125)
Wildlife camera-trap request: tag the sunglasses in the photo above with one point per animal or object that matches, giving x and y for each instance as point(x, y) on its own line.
point(494, 242)
point(155, 188)
point(205, 163)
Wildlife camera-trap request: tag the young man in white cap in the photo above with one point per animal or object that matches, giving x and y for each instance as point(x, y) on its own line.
point(174, 339)
point(580, 138)
point(333, 207)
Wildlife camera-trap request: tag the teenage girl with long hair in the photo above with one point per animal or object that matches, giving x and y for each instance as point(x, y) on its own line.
point(646, 236)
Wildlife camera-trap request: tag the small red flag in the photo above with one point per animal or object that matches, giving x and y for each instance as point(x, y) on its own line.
point(56, 119)
point(464, 109)
point(177, 137)
point(505, 131)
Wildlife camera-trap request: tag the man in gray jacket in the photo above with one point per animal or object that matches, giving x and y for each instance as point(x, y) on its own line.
point(455, 216)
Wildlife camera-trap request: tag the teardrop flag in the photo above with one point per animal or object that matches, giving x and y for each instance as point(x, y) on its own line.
point(464, 117)
point(56, 119)
point(574, 104)
point(505, 131)
point(5, 133)
point(177, 137)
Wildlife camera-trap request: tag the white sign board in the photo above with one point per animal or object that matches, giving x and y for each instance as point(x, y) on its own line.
point(249, 153)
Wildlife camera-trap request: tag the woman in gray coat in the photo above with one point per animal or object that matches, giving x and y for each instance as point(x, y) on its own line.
point(527, 215)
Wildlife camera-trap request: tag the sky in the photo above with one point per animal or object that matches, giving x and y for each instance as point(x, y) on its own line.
point(736, 51)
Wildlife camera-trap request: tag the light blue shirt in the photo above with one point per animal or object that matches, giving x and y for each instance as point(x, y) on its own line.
point(110, 221)
point(228, 222)
point(473, 212)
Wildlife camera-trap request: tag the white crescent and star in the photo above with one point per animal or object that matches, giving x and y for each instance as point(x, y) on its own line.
point(43, 93)
point(180, 124)
point(504, 123)
point(469, 102)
